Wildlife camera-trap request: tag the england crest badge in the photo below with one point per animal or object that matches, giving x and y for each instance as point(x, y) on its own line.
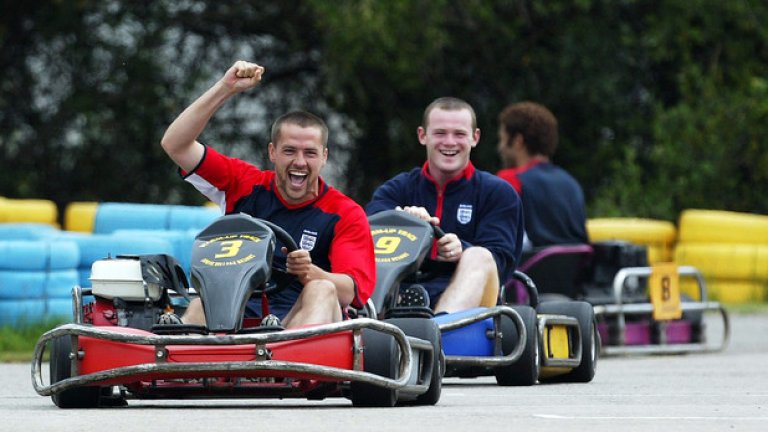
point(464, 213)
point(308, 240)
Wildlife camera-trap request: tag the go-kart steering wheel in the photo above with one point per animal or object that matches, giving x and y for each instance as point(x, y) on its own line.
point(281, 279)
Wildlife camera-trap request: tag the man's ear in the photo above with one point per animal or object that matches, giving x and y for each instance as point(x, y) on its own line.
point(476, 136)
point(271, 151)
point(422, 134)
point(517, 140)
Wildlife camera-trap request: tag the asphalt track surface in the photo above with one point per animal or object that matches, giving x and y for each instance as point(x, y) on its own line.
point(726, 391)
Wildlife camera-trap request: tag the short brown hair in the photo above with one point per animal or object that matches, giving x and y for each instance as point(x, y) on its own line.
point(448, 104)
point(300, 118)
point(535, 123)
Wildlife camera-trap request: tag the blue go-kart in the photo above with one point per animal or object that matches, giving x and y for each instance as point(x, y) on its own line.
point(519, 344)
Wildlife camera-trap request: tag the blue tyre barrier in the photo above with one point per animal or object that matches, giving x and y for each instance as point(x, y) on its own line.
point(14, 312)
point(26, 231)
point(59, 308)
point(181, 242)
point(83, 276)
point(191, 218)
point(114, 216)
point(60, 282)
point(99, 246)
point(17, 284)
point(39, 254)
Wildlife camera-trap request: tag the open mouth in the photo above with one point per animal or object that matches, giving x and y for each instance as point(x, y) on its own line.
point(297, 178)
point(449, 153)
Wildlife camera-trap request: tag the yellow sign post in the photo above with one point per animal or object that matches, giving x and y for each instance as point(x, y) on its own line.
point(664, 286)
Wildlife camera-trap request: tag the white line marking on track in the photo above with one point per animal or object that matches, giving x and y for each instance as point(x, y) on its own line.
point(565, 417)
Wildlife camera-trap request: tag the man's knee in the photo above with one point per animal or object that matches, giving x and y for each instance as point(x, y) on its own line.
point(319, 291)
point(478, 257)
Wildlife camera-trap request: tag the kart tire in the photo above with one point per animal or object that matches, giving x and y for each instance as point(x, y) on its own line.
point(590, 340)
point(60, 369)
point(380, 355)
point(525, 371)
point(428, 330)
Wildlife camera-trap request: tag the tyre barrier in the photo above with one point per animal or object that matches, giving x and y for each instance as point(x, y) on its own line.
point(27, 231)
point(659, 236)
point(20, 284)
point(80, 216)
point(718, 226)
point(18, 312)
point(732, 291)
point(111, 217)
point(59, 307)
point(58, 284)
point(747, 262)
point(28, 210)
point(181, 218)
point(181, 242)
point(94, 247)
point(39, 254)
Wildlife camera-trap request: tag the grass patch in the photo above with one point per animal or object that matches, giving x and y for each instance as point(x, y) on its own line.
point(18, 342)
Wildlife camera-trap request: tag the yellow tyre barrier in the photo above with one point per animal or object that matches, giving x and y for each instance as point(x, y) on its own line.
point(746, 262)
point(80, 216)
point(717, 226)
point(737, 291)
point(28, 210)
point(659, 236)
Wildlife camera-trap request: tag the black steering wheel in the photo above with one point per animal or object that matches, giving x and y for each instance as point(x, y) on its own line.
point(281, 279)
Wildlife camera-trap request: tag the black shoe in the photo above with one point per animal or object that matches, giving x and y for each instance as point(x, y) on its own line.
point(169, 318)
point(271, 321)
point(413, 296)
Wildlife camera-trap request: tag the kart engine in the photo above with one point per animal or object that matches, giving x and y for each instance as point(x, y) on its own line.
point(133, 290)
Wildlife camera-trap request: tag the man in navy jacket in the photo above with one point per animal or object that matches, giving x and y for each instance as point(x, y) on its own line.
point(481, 214)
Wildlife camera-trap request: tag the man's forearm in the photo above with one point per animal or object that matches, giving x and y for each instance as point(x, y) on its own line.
point(181, 135)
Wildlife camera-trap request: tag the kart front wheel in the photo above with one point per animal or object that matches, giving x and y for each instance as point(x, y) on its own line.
point(427, 330)
point(60, 369)
point(525, 371)
point(590, 339)
point(379, 357)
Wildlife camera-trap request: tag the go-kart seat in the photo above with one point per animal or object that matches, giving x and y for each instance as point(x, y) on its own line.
point(558, 269)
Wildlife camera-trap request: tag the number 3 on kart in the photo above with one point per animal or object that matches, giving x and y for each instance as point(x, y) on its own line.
point(229, 248)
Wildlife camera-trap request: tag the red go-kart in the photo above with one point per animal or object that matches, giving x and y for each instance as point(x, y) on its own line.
point(114, 351)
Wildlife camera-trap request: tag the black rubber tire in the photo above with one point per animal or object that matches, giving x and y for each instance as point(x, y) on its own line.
point(590, 339)
point(428, 330)
point(60, 369)
point(380, 356)
point(525, 371)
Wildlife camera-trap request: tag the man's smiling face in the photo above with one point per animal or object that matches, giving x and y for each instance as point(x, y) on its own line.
point(449, 138)
point(299, 155)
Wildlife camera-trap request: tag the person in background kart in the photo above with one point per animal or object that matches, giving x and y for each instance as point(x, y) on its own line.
point(481, 214)
point(335, 264)
point(553, 201)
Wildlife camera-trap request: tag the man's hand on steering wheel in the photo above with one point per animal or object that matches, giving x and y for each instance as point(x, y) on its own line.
point(449, 248)
point(299, 264)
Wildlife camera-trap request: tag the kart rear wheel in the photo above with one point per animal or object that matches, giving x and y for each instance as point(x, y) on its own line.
point(590, 339)
point(380, 356)
point(60, 369)
point(525, 371)
point(427, 330)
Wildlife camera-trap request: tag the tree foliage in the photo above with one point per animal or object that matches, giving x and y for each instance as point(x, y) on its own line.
point(662, 104)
